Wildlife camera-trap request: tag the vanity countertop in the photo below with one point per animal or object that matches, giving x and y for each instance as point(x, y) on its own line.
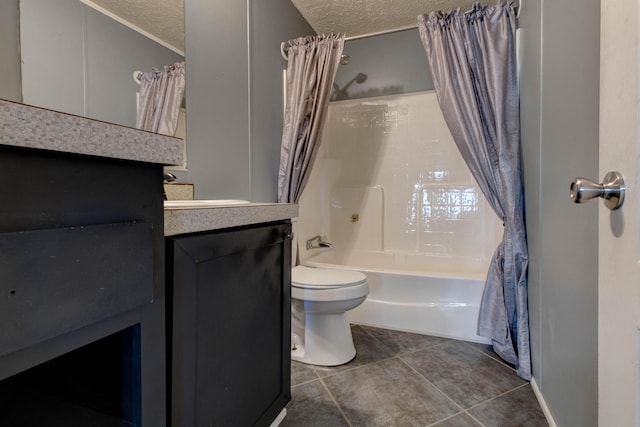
point(26, 126)
point(183, 221)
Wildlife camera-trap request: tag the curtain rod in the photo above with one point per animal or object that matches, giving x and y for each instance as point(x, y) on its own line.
point(383, 32)
point(358, 37)
point(380, 33)
point(408, 27)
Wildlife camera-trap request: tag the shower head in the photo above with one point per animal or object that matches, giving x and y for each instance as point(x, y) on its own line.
point(342, 93)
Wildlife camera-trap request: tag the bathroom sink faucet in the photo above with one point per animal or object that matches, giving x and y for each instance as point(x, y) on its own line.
point(317, 242)
point(166, 178)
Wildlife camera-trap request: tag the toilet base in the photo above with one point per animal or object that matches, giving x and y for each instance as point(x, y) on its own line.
point(327, 340)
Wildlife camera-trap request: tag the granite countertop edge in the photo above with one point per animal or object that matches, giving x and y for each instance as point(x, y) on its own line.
point(186, 221)
point(27, 126)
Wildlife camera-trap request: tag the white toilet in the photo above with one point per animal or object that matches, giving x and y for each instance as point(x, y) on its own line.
point(320, 297)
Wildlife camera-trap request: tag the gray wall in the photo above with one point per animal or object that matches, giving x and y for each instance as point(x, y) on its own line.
point(393, 63)
point(234, 117)
point(10, 84)
point(559, 98)
point(267, 32)
point(218, 156)
point(77, 60)
point(234, 128)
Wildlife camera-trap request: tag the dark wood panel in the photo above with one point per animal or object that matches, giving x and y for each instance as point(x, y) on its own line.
point(47, 190)
point(55, 281)
point(231, 315)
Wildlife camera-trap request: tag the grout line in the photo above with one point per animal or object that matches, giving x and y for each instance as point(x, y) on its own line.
point(466, 411)
point(455, 415)
point(363, 328)
point(432, 384)
point(446, 340)
point(409, 353)
point(336, 402)
point(445, 419)
point(305, 382)
point(449, 340)
point(497, 396)
point(474, 418)
point(498, 359)
point(353, 368)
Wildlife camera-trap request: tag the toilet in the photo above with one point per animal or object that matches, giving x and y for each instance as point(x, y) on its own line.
point(320, 298)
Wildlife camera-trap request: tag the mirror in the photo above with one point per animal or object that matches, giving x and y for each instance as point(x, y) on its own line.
point(79, 56)
point(10, 84)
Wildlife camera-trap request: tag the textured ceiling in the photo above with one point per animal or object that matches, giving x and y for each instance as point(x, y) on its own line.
point(164, 19)
point(358, 17)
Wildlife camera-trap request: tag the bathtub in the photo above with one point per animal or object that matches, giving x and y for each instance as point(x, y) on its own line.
point(414, 293)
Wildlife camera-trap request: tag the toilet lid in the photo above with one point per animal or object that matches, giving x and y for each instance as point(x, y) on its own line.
point(316, 277)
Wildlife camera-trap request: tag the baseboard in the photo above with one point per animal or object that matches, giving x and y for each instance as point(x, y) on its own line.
point(279, 418)
point(543, 404)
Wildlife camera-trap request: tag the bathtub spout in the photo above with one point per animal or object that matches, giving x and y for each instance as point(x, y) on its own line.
point(317, 242)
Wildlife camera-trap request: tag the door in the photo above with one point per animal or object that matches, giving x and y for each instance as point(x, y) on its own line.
point(230, 302)
point(619, 243)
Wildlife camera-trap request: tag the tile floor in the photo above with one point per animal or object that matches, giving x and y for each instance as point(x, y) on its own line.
point(404, 379)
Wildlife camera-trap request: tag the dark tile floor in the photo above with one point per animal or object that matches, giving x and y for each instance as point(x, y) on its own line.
point(404, 379)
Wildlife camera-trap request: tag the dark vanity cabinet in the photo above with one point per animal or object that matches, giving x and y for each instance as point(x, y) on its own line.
point(228, 299)
point(81, 290)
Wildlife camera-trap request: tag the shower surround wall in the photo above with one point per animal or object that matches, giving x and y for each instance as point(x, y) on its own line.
point(388, 177)
point(391, 192)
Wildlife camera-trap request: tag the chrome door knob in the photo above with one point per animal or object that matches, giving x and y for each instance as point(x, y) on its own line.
point(611, 190)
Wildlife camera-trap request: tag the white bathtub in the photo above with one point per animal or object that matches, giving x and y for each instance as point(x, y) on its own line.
point(414, 293)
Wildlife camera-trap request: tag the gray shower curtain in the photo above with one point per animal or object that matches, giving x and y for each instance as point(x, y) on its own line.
point(159, 99)
point(311, 69)
point(472, 57)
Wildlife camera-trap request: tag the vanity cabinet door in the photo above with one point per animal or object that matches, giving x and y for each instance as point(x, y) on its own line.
point(230, 326)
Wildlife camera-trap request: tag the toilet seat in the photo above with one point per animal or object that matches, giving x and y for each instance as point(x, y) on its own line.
point(315, 284)
point(325, 278)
